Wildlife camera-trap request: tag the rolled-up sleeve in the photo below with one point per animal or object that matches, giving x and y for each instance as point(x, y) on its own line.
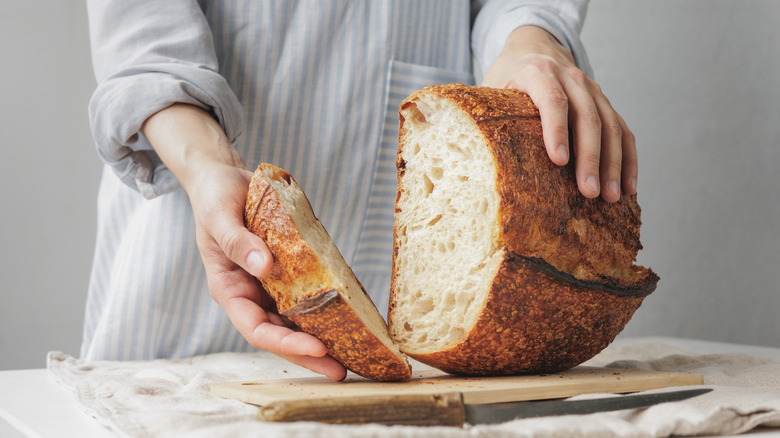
point(496, 19)
point(148, 55)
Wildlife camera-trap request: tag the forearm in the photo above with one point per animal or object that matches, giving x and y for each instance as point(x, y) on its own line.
point(525, 40)
point(144, 63)
point(533, 39)
point(188, 140)
point(497, 19)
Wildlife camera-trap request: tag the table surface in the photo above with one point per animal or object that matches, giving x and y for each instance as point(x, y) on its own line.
point(27, 396)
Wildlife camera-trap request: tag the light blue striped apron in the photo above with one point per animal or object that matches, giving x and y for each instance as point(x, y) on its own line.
point(320, 83)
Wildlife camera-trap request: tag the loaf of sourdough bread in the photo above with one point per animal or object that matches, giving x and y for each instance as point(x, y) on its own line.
point(500, 265)
point(312, 284)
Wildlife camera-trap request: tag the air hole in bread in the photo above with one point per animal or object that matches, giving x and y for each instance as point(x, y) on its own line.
point(427, 185)
point(423, 306)
point(416, 116)
point(483, 208)
point(456, 332)
point(457, 150)
point(477, 268)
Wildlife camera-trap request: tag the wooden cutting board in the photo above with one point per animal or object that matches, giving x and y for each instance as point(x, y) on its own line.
point(288, 399)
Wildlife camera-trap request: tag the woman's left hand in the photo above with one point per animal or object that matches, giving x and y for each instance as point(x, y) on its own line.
point(534, 62)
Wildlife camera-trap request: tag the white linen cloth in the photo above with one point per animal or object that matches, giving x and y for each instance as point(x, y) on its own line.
point(172, 398)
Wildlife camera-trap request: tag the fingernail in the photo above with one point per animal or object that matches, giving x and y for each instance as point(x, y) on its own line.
point(632, 184)
point(255, 261)
point(593, 183)
point(562, 152)
point(613, 187)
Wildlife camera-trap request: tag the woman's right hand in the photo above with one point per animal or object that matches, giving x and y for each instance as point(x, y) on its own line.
point(194, 147)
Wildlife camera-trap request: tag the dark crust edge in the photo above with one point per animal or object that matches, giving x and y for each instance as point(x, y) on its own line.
point(533, 322)
point(330, 318)
point(638, 288)
point(312, 303)
point(323, 314)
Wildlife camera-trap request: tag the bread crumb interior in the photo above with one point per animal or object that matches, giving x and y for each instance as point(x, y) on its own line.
point(446, 231)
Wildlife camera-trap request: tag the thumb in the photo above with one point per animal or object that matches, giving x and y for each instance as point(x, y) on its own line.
point(218, 199)
point(259, 260)
point(244, 248)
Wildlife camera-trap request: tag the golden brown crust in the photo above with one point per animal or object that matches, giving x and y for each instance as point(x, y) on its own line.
point(334, 322)
point(542, 213)
point(535, 323)
point(568, 283)
point(266, 217)
point(331, 319)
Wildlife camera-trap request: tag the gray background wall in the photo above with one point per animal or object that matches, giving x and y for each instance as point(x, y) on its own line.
point(697, 81)
point(699, 84)
point(49, 173)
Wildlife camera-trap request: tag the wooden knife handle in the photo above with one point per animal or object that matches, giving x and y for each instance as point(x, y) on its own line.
point(423, 409)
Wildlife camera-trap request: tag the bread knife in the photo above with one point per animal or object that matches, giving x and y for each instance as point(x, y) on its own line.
point(448, 408)
point(501, 412)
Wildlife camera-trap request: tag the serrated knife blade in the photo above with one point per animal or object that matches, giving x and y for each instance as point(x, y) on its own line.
point(501, 412)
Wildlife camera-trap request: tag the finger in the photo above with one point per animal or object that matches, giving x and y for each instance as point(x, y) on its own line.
point(254, 323)
point(326, 366)
point(586, 124)
point(284, 341)
point(630, 159)
point(294, 346)
point(240, 245)
point(240, 295)
point(297, 347)
point(265, 300)
point(611, 148)
point(548, 95)
point(276, 319)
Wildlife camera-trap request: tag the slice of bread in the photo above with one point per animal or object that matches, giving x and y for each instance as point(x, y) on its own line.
point(312, 284)
point(500, 265)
